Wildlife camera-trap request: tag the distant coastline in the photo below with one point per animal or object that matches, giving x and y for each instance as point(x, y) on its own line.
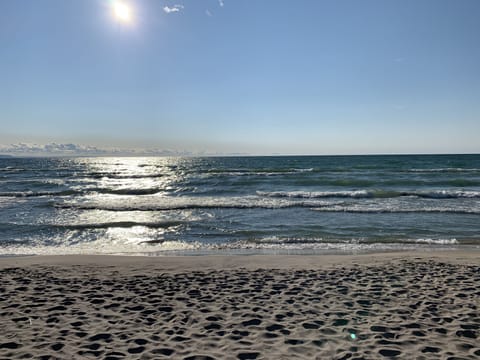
point(139, 154)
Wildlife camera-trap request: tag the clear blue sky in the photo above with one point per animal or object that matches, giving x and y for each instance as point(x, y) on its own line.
point(251, 76)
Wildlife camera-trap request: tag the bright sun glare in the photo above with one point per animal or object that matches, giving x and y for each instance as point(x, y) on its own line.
point(122, 12)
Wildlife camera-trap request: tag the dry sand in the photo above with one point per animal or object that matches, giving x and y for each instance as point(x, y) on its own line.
point(405, 305)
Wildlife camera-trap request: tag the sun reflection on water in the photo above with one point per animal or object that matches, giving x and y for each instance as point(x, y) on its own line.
point(129, 181)
point(131, 176)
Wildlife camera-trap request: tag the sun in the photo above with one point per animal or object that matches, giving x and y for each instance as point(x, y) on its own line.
point(122, 12)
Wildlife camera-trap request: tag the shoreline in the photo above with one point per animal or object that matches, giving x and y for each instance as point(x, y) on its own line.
point(422, 305)
point(417, 249)
point(253, 260)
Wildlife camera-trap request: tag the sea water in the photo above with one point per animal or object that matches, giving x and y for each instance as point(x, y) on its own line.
point(197, 205)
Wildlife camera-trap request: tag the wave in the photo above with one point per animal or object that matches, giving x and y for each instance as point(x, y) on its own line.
point(258, 172)
point(167, 203)
point(444, 170)
point(99, 225)
point(128, 191)
point(167, 207)
point(436, 241)
point(368, 194)
point(12, 169)
point(148, 191)
point(305, 241)
point(379, 168)
point(354, 194)
point(120, 224)
point(358, 209)
point(123, 176)
point(22, 194)
point(160, 203)
point(315, 194)
point(271, 245)
point(102, 246)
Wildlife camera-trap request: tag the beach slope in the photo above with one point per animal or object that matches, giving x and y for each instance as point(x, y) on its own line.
point(403, 305)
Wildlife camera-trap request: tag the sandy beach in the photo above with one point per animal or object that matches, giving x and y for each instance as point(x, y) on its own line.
point(423, 305)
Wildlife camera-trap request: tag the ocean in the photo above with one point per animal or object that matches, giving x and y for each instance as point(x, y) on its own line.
point(204, 205)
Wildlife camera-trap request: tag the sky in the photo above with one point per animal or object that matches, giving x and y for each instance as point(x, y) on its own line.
point(241, 76)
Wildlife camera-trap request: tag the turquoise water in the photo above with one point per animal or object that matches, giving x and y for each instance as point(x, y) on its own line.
point(252, 204)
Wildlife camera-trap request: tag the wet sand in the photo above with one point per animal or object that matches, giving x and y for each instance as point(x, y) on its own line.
point(422, 305)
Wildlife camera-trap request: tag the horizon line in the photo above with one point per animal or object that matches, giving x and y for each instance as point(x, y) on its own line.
point(2, 155)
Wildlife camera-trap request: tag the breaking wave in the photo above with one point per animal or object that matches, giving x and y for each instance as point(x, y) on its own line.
point(368, 194)
point(319, 203)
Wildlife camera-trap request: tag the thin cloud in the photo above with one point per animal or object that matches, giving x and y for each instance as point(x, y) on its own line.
point(208, 13)
point(221, 3)
point(55, 149)
point(173, 9)
point(50, 149)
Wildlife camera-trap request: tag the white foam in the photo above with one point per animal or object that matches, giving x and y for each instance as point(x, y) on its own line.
point(101, 247)
point(271, 244)
point(435, 194)
point(449, 194)
point(434, 170)
point(314, 194)
point(436, 241)
point(291, 199)
point(304, 170)
point(404, 205)
point(123, 203)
